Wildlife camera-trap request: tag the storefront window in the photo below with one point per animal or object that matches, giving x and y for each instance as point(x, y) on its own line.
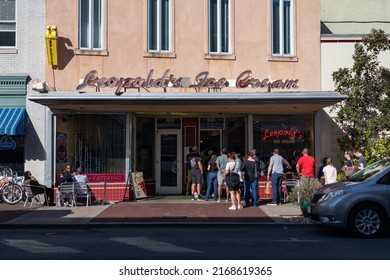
point(12, 152)
point(236, 135)
point(290, 134)
point(145, 132)
point(95, 142)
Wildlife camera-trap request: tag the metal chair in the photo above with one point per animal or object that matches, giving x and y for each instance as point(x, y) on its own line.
point(66, 190)
point(31, 196)
point(83, 191)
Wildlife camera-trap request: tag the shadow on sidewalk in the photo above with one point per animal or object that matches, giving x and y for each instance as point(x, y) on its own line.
point(189, 212)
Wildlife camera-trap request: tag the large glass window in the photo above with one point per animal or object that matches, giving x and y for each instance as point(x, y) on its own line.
point(95, 142)
point(12, 152)
point(282, 27)
point(145, 135)
point(290, 134)
point(219, 26)
point(236, 135)
point(7, 23)
point(91, 24)
point(159, 25)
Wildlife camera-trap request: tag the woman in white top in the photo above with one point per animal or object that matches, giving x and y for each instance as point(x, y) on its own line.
point(233, 167)
point(330, 172)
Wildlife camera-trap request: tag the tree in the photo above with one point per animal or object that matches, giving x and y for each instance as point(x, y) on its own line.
point(364, 115)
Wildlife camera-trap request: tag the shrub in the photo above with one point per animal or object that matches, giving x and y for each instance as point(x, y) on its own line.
point(304, 190)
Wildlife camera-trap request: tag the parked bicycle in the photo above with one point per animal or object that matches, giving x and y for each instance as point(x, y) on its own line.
point(10, 191)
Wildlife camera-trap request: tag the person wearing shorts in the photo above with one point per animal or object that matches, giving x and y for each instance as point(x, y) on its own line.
point(197, 175)
point(221, 164)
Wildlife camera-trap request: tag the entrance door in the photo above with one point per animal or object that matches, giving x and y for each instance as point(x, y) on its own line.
point(168, 162)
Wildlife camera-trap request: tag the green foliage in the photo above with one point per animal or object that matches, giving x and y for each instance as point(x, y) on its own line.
point(340, 176)
point(304, 190)
point(364, 115)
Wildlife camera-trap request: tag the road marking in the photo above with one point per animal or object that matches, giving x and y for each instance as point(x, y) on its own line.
point(293, 239)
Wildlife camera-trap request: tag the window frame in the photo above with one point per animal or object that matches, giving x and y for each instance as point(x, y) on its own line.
point(90, 32)
point(159, 24)
point(219, 28)
point(282, 29)
point(11, 22)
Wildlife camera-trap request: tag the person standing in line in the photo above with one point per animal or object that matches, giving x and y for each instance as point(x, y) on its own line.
point(320, 172)
point(330, 172)
point(235, 196)
point(239, 163)
point(306, 165)
point(251, 175)
point(188, 171)
point(212, 178)
point(362, 163)
point(349, 160)
point(349, 168)
point(276, 169)
point(197, 175)
point(221, 165)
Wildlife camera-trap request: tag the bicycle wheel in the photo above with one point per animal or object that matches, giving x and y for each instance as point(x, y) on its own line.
point(12, 193)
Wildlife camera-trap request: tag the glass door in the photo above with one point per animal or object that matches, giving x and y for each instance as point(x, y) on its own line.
point(168, 162)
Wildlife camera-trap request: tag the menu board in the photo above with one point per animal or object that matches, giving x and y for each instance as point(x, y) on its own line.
point(137, 178)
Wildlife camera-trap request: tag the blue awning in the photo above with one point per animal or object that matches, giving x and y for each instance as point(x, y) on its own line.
point(12, 121)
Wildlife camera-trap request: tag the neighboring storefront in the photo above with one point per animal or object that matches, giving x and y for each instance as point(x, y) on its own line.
point(13, 119)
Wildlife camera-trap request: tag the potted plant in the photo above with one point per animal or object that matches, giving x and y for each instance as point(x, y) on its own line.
point(302, 193)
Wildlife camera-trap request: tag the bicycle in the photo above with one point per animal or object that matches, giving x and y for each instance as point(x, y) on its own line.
point(10, 191)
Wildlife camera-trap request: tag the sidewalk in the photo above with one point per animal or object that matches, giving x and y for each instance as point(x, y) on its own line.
point(151, 211)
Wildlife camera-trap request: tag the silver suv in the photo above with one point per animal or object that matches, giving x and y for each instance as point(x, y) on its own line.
point(360, 204)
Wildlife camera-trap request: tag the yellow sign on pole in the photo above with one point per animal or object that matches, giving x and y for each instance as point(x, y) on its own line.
point(51, 44)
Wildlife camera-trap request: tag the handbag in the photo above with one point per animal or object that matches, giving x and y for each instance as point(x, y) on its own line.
point(349, 171)
point(233, 179)
point(267, 187)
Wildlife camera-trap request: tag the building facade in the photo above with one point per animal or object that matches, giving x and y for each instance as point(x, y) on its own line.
point(22, 59)
point(343, 24)
point(137, 83)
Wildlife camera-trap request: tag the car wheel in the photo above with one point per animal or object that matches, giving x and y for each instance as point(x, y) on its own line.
point(366, 221)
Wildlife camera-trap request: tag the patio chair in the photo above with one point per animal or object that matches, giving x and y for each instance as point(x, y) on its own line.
point(66, 191)
point(83, 192)
point(30, 196)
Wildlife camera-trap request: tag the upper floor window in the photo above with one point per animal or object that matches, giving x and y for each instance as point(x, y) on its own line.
point(159, 25)
point(282, 31)
point(7, 23)
point(219, 26)
point(91, 24)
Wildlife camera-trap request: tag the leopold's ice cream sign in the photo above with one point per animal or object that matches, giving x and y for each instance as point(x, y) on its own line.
point(202, 80)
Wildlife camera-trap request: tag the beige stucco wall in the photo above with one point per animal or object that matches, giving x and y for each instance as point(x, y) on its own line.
point(126, 43)
point(355, 16)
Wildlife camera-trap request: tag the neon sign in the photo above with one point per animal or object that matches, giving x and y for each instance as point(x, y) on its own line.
point(202, 80)
point(292, 133)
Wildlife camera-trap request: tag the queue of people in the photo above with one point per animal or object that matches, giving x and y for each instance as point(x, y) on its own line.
point(249, 169)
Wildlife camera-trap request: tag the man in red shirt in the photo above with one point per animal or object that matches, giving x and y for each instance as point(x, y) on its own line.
point(306, 164)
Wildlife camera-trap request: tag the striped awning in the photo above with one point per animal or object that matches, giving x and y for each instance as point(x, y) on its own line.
point(12, 121)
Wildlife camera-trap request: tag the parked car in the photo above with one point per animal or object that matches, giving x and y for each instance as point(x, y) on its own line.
point(360, 204)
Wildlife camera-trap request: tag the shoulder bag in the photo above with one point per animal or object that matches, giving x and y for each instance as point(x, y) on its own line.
point(233, 179)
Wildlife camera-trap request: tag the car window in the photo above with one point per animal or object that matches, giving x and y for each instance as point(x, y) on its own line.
point(385, 180)
point(369, 171)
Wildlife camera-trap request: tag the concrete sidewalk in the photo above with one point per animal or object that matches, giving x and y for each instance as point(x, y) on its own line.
point(153, 211)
